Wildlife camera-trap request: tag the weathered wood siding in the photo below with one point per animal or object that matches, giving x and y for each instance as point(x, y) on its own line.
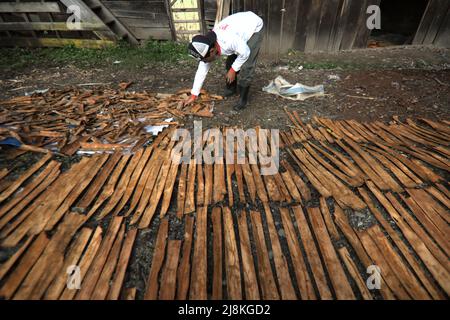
point(32, 24)
point(434, 28)
point(145, 19)
point(210, 7)
point(310, 25)
point(305, 25)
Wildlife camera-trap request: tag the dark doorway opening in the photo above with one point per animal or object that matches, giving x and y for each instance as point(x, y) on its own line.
point(400, 20)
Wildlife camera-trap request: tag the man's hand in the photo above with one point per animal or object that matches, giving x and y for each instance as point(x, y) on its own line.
point(231, 75)
point(189, 100)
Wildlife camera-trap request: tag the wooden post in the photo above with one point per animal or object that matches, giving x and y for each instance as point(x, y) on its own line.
point(283, 10)
point(168, 4)
point(26, 17)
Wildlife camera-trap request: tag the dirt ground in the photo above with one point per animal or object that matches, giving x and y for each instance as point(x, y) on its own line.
point(366, 85)
point(371, 84)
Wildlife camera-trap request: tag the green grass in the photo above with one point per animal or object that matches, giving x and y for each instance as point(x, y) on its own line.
point(294, 59)
point(130, 56)
point(326, 65)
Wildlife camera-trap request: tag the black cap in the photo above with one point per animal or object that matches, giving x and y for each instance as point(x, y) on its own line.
point(201, 45)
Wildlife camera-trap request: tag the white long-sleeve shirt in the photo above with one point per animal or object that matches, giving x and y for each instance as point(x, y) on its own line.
point(233, 32)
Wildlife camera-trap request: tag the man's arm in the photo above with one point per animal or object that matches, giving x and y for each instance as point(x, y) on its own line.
point(200, 77)
point(243, 52)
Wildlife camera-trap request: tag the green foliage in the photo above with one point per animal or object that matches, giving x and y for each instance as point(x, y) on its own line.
point(322, 65)
point(166, 51)
point(151, 52)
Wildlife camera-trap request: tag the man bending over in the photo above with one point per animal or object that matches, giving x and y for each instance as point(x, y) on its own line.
point(239, 37)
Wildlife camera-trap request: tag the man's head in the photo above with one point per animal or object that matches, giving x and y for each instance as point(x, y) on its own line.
point(204, 47)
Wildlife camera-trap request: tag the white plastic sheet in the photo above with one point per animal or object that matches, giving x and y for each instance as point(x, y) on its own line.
point(154, 130)
point(279, 86)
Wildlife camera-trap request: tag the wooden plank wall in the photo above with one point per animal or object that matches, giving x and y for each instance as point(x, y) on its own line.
point(309, 25)
point(434, 29)
point(145, 19)
point(28, 12)
point(33, 24)
point(210, 8)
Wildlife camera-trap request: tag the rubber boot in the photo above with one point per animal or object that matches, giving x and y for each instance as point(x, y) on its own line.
point(230, 89)
point(243, 99)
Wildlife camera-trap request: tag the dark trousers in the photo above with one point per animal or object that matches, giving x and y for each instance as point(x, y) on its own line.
point(248, 68)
